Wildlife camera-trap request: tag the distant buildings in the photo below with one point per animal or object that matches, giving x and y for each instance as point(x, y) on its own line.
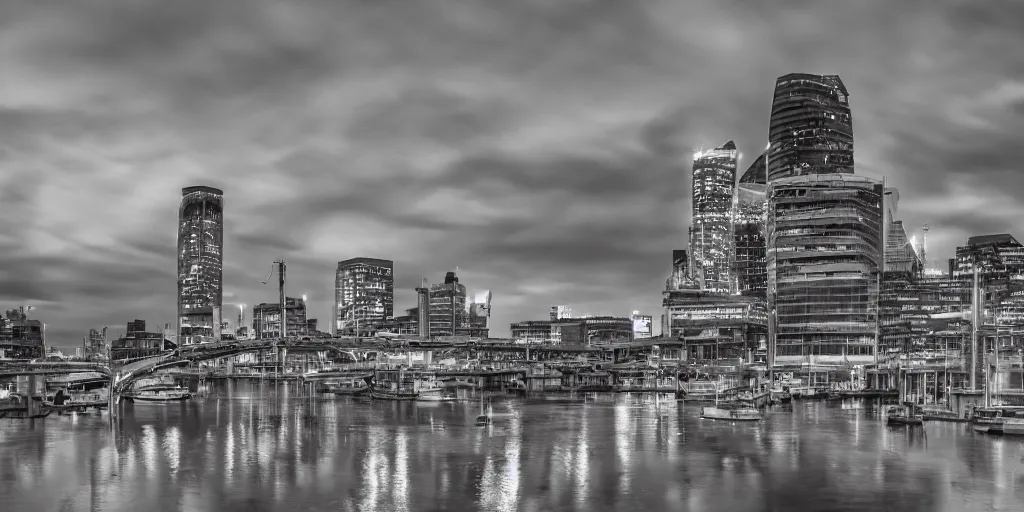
point(479, 314)
point(714, 179)
point(642, 326)
point(579, 331)
point(200, 263)
point(138, 343)
point(94, 346)
point(266, 319)
point(364, 295)
point(20, 336)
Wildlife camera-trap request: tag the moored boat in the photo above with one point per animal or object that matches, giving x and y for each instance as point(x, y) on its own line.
point(1008, 426)
point(904, 415)
point(983, 418)
point(348, 387)
point(736, 413)
point(160, 394)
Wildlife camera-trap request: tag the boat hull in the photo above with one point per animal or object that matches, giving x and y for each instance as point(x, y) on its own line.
point(1012, 427)
point(393, 395)
point(905, 421)
point(741, 414)
point(161, 399)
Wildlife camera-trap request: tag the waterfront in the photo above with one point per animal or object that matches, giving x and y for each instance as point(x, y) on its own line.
point(263, 447)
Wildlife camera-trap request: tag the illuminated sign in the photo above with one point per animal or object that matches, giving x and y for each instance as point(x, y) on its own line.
point(642, 326)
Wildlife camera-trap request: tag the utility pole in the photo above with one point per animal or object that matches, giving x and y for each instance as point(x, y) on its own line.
point(280, 285)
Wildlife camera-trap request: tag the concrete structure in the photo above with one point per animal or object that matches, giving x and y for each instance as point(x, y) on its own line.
point(364, 295)
point(200, 262)
point(811, 130)
point(714, 180)
point(423, 310)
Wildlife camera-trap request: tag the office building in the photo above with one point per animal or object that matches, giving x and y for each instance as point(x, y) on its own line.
point(364, 295)
point(200, 263)
point(811, 130)
point(448, 310)
point(714, 179)
point(266, 319)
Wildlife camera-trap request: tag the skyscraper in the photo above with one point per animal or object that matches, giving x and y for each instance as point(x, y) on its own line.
point(714, 178)
point(811, 129)
point(448, 311)
point(825, 230)
point(200, 262)
point(364, 295)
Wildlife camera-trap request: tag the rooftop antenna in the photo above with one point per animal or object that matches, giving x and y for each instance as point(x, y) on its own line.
point(924, 246)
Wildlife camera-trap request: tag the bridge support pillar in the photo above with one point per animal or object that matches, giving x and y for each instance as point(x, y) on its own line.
point(30, 395)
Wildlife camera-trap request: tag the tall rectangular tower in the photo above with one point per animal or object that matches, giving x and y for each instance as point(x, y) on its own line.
point(364, 295)
point(714, 180)
point(200, 262)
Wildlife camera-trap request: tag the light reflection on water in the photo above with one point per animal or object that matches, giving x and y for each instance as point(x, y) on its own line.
point(252, 447)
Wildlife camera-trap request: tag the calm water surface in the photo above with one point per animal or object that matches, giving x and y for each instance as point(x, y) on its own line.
point(259, 447)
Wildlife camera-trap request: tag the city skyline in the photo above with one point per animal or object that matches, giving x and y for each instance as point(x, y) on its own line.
point(565, 182)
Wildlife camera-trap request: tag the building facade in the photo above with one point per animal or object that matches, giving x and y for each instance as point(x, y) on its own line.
point(364, 295)
point(200, 263)
point(714, 325)
point(266, 319)
point(750, 264)
point(448, 312)
point(20, 336)
point(811, 130)
point(479, 315)
point(137, 343)
point(825, 255)
point(714, 179)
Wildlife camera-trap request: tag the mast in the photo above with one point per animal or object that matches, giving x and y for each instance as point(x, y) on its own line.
point(280, 286)
point(975, 318)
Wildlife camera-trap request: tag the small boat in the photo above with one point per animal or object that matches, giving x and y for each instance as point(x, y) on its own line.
point(983, 419)
point(161, 394)
point(730, 411)
point(833, 396)
point(391, 394)
point(738, 413)
point(785, 398)
point(1007, 426)
point(904, 415)
point(428, 388)
point(348, 387)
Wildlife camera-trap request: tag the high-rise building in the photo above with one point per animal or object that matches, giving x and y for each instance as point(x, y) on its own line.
point(825, 254)
point(749, 243)
point(811, 130)
point(364, 295)
point(714, 179)
point(447, 307)
point(200, 262)
point(480, 314)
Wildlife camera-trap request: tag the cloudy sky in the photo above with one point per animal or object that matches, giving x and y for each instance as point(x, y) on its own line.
point(542, 146)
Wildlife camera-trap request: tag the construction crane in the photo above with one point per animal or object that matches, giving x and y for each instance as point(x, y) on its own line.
point(924, 246)
point(281, 267)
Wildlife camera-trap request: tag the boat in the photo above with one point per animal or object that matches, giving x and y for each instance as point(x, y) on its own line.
point(730, 411)
point(942, 414)
point(1007, 426)
point(983, 418)
point(785, 398)
point(904, 415)
point(428, 388)
point(386, 393)
point(348, 387)
point(833, 396)
point(160, 394)
point(754, 399)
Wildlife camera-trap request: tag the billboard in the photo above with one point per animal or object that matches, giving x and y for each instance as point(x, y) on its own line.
point(642, 326)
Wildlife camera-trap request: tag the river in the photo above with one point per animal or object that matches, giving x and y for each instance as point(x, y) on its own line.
point(253, 447)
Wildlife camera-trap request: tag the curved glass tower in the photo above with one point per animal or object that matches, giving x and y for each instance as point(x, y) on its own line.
point(811, 131)
point(200, 262)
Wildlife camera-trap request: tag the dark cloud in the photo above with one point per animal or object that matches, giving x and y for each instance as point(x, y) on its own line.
point(541, 147)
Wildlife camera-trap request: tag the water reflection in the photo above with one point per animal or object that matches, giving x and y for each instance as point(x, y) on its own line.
point(270, 447)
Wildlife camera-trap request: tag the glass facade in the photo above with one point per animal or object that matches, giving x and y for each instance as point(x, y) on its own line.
point(811, 130)
point(825, 241)
point(364, 295)
point(200, 262)
point(714, 178)
point(749, 243)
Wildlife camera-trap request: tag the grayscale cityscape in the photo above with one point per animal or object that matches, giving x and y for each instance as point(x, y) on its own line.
point(511, 256)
